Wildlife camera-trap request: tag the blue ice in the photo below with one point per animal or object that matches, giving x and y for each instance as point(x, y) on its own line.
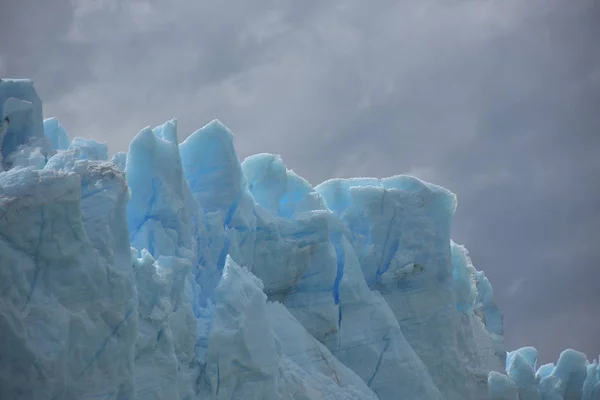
point(178, 271)
point(56, 133)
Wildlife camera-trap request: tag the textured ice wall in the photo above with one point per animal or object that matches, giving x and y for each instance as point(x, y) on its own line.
point(377, 351)
point(400, 230)
point(242, 280)
point(69, 303)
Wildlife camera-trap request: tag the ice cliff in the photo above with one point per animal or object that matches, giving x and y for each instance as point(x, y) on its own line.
point(173, 271)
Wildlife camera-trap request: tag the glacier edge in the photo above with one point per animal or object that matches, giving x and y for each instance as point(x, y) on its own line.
point(175, 271)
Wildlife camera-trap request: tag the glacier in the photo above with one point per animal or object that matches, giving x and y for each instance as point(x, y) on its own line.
point(175, 271)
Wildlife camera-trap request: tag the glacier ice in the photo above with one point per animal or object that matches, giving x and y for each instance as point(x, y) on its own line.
point(573, 377)
point(56, 133)
point(21, 112)
point(175, 271)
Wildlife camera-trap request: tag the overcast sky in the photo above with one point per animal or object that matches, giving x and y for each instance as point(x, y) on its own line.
point(497, 100)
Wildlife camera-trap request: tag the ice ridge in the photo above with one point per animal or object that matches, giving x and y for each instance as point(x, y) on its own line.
point(175, 271)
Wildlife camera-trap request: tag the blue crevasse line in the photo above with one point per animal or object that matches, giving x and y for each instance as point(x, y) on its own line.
point(387, 344)
point(339, 274)
point(218, 378)
point(386, 260)
point(105, 343)
point(101, 348)
point(243, 241)
point(232, 210)
point(148, 215)
point(201, 262)
point(137, 229)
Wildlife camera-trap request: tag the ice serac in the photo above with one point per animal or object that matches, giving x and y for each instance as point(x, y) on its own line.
point(294, 259)
point(520, 368)
point(21, 116)
point(174, 271)
point(573, 377)
point(212, 171)
point(165, 223)
point(400, 230)
point(162, 213)
point(56, 133)
point(377, 351)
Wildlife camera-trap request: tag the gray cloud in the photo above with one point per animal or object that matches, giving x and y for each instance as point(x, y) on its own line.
point(495, 100)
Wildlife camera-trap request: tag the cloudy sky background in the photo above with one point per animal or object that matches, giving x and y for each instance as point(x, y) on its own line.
point(498, 100)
